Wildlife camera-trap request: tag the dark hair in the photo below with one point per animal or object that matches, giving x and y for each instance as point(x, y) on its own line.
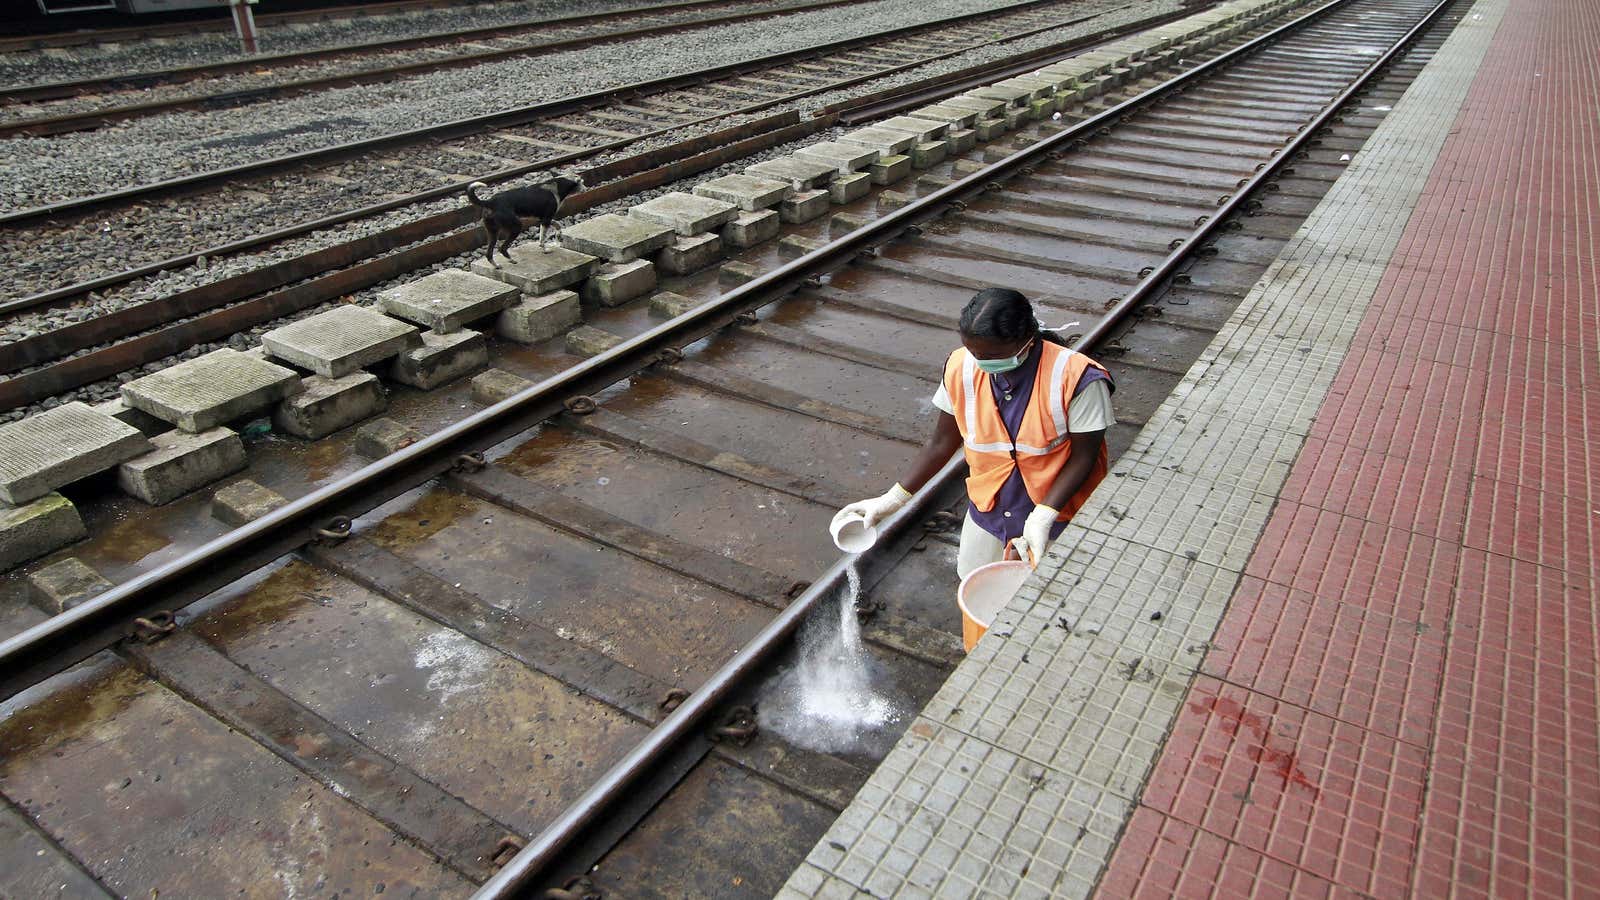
point(1004, 314)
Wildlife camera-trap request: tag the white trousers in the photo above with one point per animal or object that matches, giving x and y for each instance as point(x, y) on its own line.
point(978, 548)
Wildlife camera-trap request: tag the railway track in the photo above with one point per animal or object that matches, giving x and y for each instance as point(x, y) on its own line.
point(85, 34)
point(745, 86)
point(60, 107)
point(54, 359)
point(406, 701)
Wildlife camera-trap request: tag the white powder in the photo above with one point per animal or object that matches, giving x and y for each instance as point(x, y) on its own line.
point(455, 663)
point(826, 700)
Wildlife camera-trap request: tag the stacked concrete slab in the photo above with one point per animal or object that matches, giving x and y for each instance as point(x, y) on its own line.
point(198, 397)
point(329, 404)
point(338, 346)
point(891, 165)
point(992, 110)
point(696, 221)
point(626, 245)
point(850, 181)
point(757, 198)
point(209, 390)
point(181, 462)
point(931, 140)
point(341, 341)
point(808, 176)
point(445, 302)
point(44, 453)
point(51, 450)
point(545, 277)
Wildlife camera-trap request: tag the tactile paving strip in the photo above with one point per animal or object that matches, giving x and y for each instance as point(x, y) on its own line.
point(979, 819)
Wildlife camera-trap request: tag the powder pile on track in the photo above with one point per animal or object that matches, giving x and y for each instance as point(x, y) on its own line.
point(826, 701)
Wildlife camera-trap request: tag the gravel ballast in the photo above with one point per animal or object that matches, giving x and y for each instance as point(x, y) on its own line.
point(220, 45)
point(46, 170)
point(79, 249)
point(270, 72)
point(172, 282)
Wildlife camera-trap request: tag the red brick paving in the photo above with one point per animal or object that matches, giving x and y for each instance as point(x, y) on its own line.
point(1402, 698)
point(1172, 859)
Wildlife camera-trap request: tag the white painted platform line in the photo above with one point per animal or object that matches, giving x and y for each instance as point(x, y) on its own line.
point(1018, 777)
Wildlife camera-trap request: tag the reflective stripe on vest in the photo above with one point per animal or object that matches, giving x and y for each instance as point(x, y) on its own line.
point(1056, 401)
point(1038, 448)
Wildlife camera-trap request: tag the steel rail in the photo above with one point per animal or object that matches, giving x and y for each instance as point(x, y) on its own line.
point(889, 101)
point(87, 35)
point(504, 118)
point(24, 93)
point(215, 315)
point(522, 871)
point(90, 119)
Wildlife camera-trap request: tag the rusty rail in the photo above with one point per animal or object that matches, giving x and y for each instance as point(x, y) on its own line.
point(476, 124)
point(636, 174)
point(85, 35)
point(82, 121)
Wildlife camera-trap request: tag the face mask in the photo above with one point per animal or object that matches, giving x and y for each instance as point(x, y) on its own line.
point(1001, 366)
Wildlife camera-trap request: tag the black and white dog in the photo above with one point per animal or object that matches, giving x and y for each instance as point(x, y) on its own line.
point(503, 213)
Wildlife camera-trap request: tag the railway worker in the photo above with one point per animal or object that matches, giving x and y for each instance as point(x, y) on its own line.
point(1032, 416)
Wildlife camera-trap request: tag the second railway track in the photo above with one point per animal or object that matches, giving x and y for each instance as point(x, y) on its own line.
point(49, 349)
point(65, 248)
point(87, 32)
point(406, 706)
point(28, 110)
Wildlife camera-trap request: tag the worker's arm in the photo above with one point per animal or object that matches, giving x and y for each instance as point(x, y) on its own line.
point(1080, 462)
point(1085, 452)
point(940, 446)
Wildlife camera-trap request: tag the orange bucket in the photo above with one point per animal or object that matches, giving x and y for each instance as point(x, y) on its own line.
point(984, 592)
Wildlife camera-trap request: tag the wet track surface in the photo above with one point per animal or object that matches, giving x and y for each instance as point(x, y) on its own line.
point(377, 714)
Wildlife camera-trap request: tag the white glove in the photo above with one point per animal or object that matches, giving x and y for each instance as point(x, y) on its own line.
point(1036, 533)
point(876, 509)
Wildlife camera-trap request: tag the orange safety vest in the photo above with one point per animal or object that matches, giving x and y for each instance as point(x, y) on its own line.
point(1043, 442)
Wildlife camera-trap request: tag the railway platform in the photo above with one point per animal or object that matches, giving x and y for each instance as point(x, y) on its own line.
point(1329, 628)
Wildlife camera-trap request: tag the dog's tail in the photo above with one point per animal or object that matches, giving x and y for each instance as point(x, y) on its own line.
point(472, 194)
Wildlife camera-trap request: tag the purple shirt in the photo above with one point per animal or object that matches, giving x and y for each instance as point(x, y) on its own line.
point(1013, 497)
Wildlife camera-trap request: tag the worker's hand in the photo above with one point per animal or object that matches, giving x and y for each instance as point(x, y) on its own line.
point(1036, 532)
point(876, 509)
